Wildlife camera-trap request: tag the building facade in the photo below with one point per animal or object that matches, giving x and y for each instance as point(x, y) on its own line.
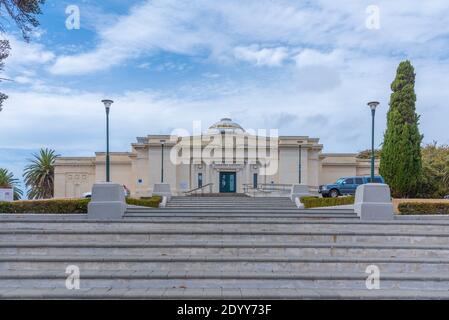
point(224, 159)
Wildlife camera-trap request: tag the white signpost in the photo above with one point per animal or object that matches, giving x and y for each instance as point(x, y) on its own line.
point(7, 195)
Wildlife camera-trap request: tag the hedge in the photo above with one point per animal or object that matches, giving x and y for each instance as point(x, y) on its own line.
point(64, 206)
point(316, 202)
point(439, 208)
point(145, 202)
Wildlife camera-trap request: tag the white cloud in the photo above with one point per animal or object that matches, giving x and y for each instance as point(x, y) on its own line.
point(27, 54)
point(262, 56)
point(340, 65)
point(228, 29)
point(309, 57)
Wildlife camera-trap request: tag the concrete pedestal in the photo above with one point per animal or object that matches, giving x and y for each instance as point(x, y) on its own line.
point(163, 190)
point(298, 191)
point(373, 202)
point(6, 194)
point(108, 202)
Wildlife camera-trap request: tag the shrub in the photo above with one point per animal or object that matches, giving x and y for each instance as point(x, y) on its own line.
point(64, 206)
point(316, 202)
point(424, 207)
point(145, 202)
point(45, 206)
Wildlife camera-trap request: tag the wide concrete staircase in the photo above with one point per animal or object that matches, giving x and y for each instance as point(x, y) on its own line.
point(223, 248)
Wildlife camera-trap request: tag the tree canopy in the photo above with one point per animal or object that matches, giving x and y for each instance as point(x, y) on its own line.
point(23, 13)
point(401, 163)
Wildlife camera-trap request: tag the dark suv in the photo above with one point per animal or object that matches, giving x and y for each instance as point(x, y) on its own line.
point(346, 185)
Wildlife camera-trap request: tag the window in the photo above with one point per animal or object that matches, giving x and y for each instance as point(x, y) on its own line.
point(349, 181)
point(377, 180)
point(200, 180)
point(255, 181)
point(358, 181)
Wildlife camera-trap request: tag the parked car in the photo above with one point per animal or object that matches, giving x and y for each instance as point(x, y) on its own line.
point(89, 194)
point(346, 186)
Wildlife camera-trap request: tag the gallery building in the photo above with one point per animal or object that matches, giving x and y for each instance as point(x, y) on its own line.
point(223, 159)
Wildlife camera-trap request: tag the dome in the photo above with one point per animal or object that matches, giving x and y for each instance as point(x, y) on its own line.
point(226, 125)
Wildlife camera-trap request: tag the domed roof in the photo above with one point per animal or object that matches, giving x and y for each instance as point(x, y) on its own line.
point(226, 125)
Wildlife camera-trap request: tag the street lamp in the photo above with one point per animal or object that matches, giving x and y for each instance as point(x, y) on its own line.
point(373, 105)
point(162, 160)
point(107, 105)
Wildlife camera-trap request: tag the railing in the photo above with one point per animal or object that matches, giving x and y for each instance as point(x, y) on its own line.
point(199, 189)
point(266, 187)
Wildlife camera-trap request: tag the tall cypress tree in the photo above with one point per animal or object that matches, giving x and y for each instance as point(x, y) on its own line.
point(400, 163)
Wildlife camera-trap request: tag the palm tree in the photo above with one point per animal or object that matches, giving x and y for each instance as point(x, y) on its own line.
point(39, 175)
point(7, 180)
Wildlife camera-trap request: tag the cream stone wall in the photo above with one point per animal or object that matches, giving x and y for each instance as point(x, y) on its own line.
point(300, 160)
point(334, 166)
point(74, 176)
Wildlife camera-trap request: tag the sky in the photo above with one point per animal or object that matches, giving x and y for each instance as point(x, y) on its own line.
point(302, 67)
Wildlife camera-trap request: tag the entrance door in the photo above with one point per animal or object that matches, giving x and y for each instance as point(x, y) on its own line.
point(228, 182)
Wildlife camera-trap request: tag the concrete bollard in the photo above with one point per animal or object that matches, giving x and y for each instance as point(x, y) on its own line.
point(373, 202)
point(163, 190)
point(108, 202)
point(298, 191)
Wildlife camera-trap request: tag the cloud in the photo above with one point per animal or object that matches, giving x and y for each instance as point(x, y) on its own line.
point(328, 65)
point(310, 57)
point(226, 30)
point(27, 54)
point(262, 56)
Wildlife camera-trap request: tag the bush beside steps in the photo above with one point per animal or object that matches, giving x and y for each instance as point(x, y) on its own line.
point(424, 208)
point(316, 202)
point(65, 206)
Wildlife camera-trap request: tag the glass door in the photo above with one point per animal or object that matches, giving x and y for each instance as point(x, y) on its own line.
point(228, 182)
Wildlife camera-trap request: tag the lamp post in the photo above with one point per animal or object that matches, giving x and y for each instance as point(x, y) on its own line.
point(107, 104)
point(373, 105)
point(162, 160)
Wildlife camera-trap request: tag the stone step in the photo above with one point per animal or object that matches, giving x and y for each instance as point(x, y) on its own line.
point(171, 219)
point(217, 263)
point(225, 211)
point(313, 216)
point(230, 248)
point(230, 201)
point(424, 238)
point(231, 206)
point(219, 293)
point(229, 211)
point(227, 280)
point(226, 224)
point(230, 226)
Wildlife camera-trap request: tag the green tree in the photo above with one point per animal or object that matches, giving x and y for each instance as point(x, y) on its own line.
point(435, 159)
point(7, 180)
point(39, 175)
point(23, 13)
point(4, 53)
point(400, 163)
point(366, 154)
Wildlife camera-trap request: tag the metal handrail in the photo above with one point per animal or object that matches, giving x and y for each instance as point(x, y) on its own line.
point(266, 187)
point(200, 188)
